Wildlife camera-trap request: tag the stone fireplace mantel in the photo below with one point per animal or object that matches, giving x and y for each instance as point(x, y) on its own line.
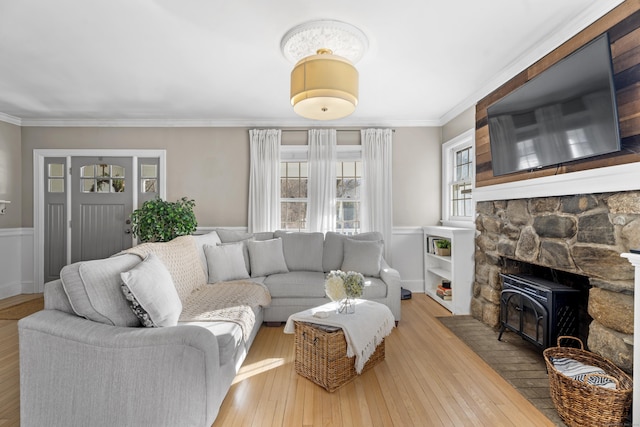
point(601, 180)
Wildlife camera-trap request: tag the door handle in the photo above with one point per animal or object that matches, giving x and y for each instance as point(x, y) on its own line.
point(127, 231)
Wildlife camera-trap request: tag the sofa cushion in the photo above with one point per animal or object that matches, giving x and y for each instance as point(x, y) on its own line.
point(266, 257)
point(296, 284)
point(374, 288)
point(151, 293)
point(302, 251)
point(93, 289)
point(226, 262)
point(231, 236)
point(362, 257)
point(202, 240)
point(333, 251)
point(228, 335)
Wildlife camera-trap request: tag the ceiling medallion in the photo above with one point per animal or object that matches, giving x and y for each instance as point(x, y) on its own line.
point(324, 81)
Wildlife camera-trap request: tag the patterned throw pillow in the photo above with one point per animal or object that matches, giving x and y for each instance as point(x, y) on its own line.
point(137, 309)
point(151, 293)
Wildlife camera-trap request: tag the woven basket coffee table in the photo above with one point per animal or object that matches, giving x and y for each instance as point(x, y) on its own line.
point(321, 355)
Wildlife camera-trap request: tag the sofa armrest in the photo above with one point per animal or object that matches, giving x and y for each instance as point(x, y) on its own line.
point(393, 281)
point(75, 371)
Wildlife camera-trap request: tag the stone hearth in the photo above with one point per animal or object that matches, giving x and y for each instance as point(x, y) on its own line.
point(581, 234)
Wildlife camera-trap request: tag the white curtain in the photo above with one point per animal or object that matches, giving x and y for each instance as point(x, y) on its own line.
point(377, 202)
point(264, 180)
point(321, 210)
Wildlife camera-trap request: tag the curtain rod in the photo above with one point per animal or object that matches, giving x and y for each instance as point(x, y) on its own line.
point(337, 130)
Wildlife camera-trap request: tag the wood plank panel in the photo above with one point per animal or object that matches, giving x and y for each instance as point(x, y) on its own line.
point(623, 24)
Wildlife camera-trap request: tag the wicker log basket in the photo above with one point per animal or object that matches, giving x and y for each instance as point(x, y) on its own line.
point(582, 404)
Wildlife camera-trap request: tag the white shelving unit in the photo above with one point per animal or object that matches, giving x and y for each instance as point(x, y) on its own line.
point(458, 267)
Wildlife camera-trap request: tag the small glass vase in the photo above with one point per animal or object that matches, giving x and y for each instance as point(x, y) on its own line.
point(346, 306)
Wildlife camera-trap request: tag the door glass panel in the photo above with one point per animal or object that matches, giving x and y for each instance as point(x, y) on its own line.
point(102, 178)
point(149, 185)
point(56, 170)
point(87, 171)
point(56, 185)
point(148, 171)
point(117, 171)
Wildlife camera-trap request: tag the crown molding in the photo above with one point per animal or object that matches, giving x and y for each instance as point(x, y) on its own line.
point(10, 119)
point(220, 123)
point(547, 45)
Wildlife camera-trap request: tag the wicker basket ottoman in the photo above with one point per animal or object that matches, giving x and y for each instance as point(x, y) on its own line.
point(321, 355)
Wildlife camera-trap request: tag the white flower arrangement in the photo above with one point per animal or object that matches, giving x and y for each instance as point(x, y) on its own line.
point(340, 285)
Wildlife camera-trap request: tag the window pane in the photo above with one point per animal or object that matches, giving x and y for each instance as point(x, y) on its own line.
point(117, 171)
point(349, 168)
point(148, 171)
point(88, 185)
point(56, 170)
point(117, 185)
point(293, 215)
point(87, 171)
point(56, 185)
point(102, 170)
point(148, 185)
point(304, 169)
point(103, 186)
point(293, 169)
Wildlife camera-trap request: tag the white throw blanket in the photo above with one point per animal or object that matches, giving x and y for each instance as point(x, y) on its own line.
point(363, 330)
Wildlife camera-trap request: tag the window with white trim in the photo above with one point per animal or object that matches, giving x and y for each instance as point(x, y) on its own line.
point(458, 178)
point(294, 195)
point(348, 184)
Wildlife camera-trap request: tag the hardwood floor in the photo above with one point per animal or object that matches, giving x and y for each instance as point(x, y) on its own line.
point(429, 378)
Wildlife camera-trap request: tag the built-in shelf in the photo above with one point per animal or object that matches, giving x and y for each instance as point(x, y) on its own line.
point(457, 268)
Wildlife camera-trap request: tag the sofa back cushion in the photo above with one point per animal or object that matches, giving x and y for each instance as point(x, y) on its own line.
point(363, 257)
point(333, 252)
point(267, 257)
point(93, 289)
point(302, 251)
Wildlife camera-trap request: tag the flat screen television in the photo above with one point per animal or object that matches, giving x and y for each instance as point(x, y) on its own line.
point(567, 112)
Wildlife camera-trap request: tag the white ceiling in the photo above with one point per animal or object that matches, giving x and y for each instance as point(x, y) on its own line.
point(218, 63)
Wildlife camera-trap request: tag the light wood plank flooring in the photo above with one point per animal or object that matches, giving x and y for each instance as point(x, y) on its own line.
point(429, 378)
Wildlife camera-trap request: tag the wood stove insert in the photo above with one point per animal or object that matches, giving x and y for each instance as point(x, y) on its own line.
point(537, 309)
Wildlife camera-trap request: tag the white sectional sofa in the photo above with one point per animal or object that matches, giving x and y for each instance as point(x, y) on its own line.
point(86, 359)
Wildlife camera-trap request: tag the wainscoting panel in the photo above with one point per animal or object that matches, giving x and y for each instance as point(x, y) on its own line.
point(16, 261)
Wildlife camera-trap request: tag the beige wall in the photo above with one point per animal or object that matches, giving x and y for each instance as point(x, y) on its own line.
point(462, 122)
point(10, 174)
point(416, 176)
point(211, 165)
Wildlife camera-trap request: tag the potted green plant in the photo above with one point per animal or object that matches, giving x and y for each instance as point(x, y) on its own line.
point(443, 247)
point(160, 221)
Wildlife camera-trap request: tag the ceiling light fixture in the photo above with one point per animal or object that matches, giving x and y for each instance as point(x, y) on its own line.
point(324, 81)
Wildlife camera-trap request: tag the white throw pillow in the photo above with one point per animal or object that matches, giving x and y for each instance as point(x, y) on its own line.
point(362, 257)
point(266, 257)
point(226, 262)
point(151, 293)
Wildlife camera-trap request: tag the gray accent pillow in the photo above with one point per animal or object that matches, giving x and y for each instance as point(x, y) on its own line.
point(266, 257)
point(302, 251)
point(245, 252)
point(230, 236)
point(93, 289)
point(226, 262)
point(333, 252)
point(211, 238)
point(152, 294)
point(363, 257)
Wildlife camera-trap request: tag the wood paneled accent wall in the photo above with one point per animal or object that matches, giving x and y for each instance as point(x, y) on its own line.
point(623, 25)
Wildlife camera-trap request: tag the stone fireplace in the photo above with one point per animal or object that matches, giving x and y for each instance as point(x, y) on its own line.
point(579, 234)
